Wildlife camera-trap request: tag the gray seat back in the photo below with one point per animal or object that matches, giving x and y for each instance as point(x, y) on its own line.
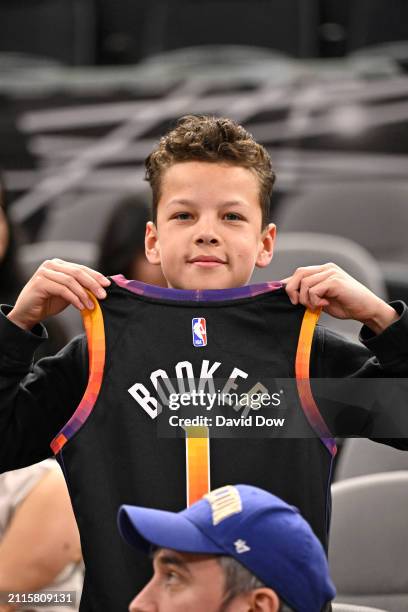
point(360, 457)
point(342, 607)
point(82, 217)
point(369, 540)
point(372, 214)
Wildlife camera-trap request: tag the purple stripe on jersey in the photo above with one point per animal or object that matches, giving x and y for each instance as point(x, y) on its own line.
point(195, 295)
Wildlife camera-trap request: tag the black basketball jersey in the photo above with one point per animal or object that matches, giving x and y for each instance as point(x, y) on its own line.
point(143, 340)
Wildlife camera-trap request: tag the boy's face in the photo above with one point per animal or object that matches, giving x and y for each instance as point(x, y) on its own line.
point(208, 233)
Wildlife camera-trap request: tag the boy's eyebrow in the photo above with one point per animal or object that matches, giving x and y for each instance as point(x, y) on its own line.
point(192, 203)
point(177, 202)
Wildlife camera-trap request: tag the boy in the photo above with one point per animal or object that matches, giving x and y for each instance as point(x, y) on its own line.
point(211, 186)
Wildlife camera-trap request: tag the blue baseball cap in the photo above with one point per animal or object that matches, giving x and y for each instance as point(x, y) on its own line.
point(263, 533)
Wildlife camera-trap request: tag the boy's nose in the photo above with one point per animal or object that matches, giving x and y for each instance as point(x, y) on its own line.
point(206, 239)
point(206, 230)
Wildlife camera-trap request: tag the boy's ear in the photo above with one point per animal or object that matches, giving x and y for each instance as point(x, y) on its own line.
point(267, 242)
point(152, 247)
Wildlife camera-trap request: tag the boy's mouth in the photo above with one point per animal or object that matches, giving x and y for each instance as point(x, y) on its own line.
point(207, 261)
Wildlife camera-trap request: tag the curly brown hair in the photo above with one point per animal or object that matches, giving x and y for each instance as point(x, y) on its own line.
point(211, 139)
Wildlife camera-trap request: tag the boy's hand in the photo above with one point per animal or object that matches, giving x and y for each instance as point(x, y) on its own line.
point(340, 295)
point(54, 286)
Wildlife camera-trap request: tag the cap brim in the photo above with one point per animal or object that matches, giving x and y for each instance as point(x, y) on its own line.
point(142, 527)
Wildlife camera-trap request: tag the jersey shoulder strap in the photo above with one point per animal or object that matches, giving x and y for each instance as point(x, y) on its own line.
point(302, 369)
point(95, 333)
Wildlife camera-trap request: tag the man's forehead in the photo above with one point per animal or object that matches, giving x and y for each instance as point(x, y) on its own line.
point(168, 555)
point(160, 553)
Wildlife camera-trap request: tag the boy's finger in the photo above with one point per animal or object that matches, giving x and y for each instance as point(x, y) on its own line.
point(98, 279)
point(90, 283)
point(310, 281)
point(306, 271)
point(293, 295)
point(59, 290)
point(294, 281)
point(318, 295)
point(104, 280)
point(87, 278)
point(75, 288)
point(317, 302)
point(293, 285)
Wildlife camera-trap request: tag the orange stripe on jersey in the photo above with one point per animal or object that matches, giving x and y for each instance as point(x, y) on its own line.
point(197, 463)
point(302, 367)
point(95, 332)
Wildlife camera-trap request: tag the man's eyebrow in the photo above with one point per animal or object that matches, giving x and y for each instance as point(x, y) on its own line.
point(169, 558)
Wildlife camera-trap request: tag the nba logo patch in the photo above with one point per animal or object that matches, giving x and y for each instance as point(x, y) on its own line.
point(199, 331)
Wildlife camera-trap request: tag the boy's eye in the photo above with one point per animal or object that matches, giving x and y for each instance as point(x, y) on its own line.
point(233, 216)
point(182, 216)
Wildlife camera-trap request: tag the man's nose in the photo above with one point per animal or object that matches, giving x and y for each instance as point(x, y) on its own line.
point(144, 601)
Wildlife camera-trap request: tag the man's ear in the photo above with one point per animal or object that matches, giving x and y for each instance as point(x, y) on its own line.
point(267, 242)
point(263, 600)
point(152, 247)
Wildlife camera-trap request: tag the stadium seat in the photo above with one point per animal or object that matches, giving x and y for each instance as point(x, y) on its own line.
point(295, 249)
point(83, 217)
point(287, 26)
point(60, 29)
point(334, 20)
point(121, 30)
point(373, 214)
point(360, 457)
point(376, 21)
point(32, 255)
point(369, 540)
point(339, 607)
point(391, 54)
point(396, 278)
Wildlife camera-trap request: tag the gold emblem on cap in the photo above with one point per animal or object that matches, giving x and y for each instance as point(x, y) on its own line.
point(224, 502)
